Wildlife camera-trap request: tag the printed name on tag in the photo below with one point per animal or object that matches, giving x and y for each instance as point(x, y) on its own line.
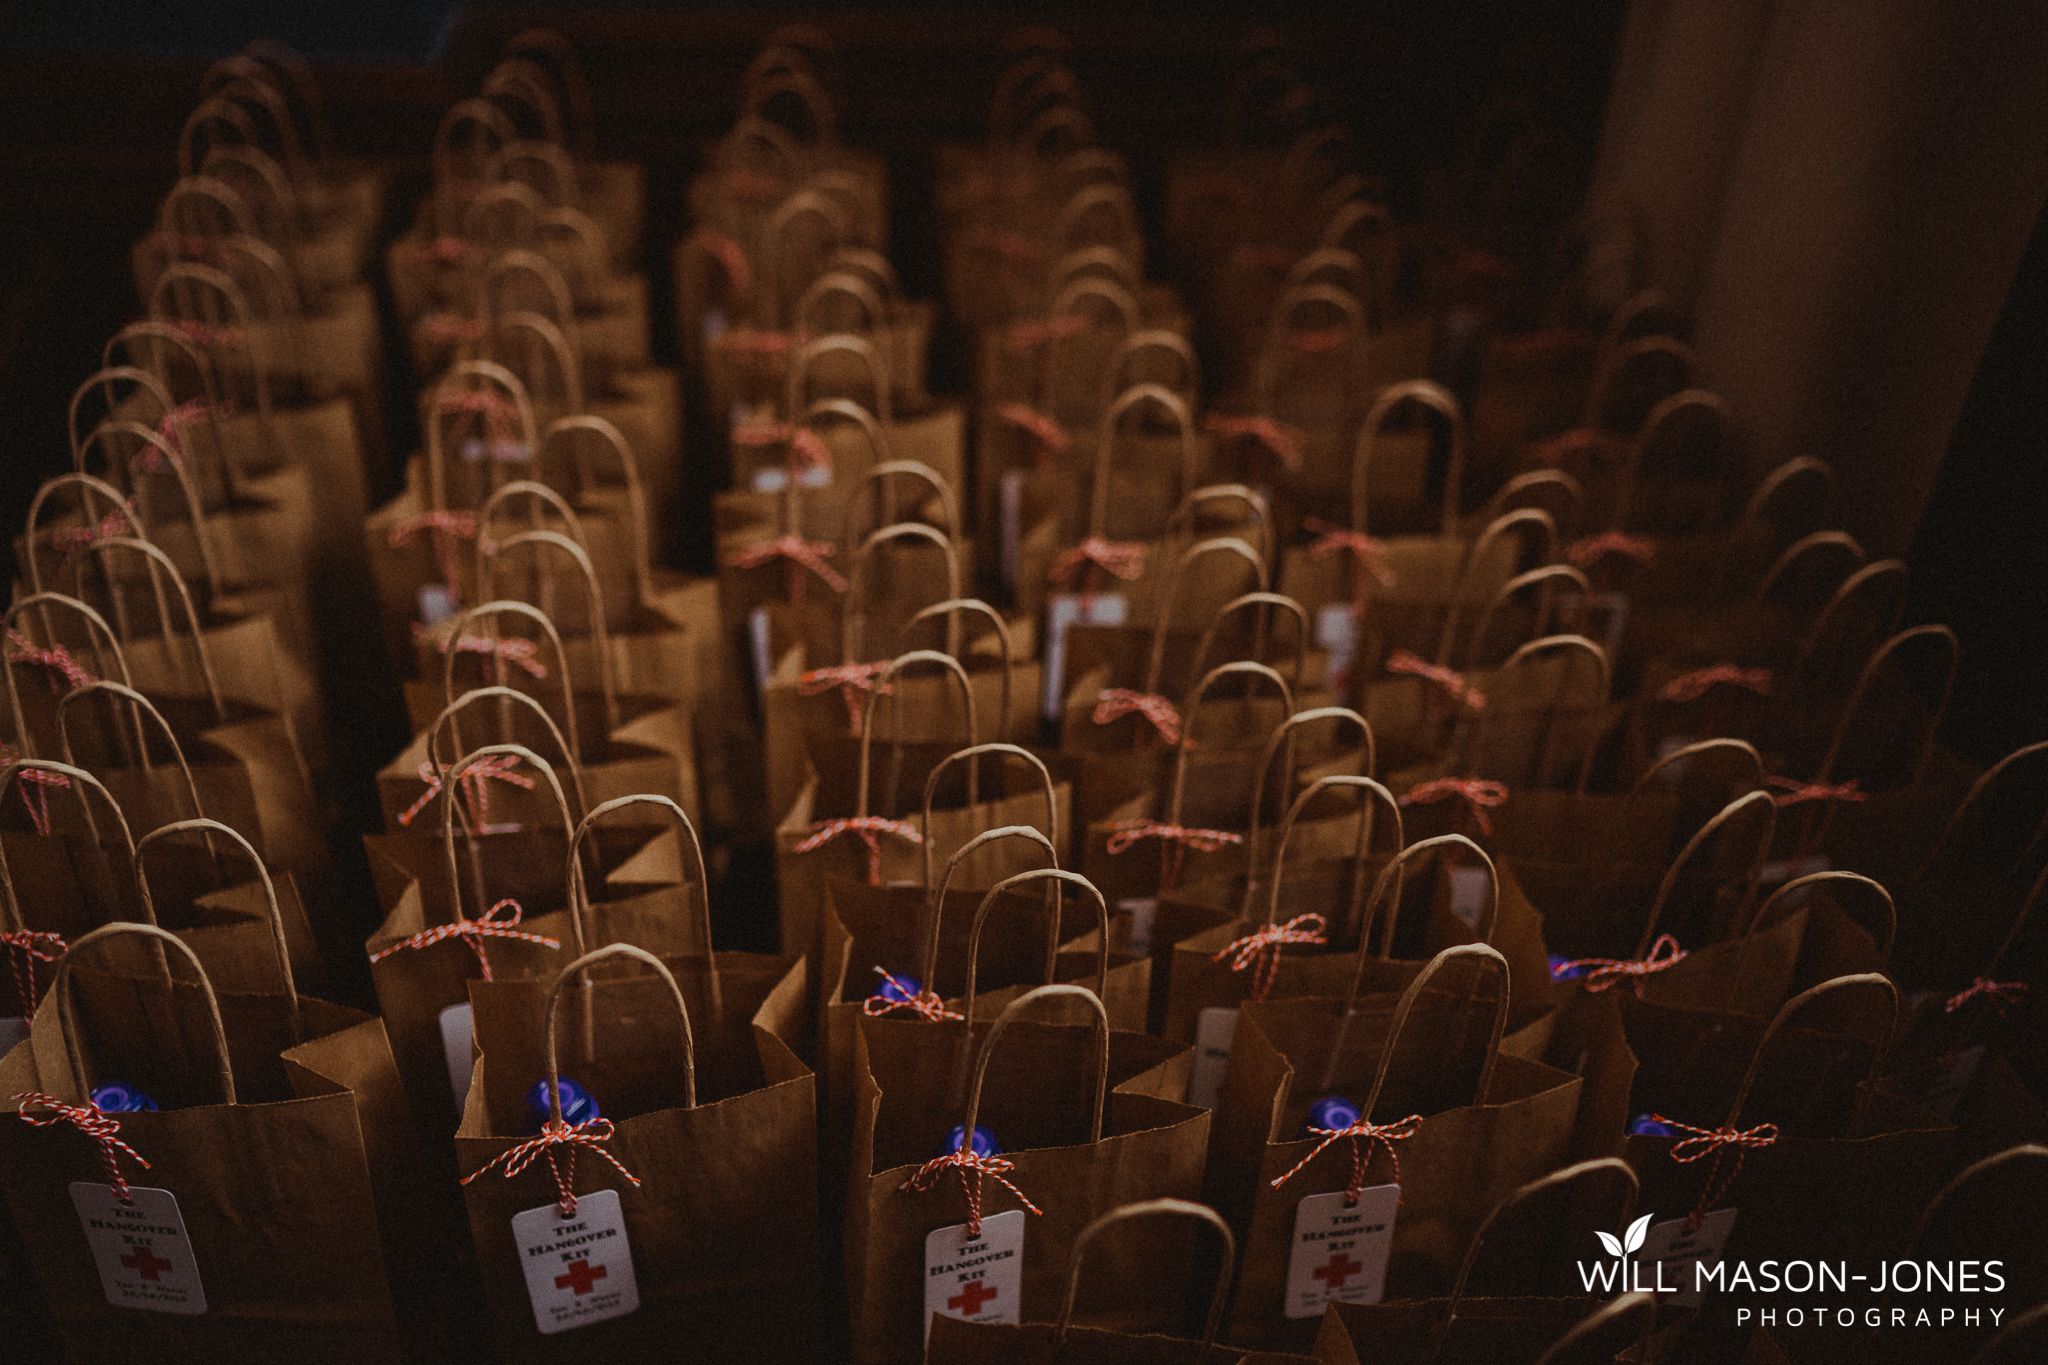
point(977, 1279)
point(1339, 1254)
point(1214, 1028)
point(758, 635)
point(144, 1257)
point(1952, 1082)
point(1011, 513)
point(12, 1031)
point(1142, 909)
point(457, 1021)
point(578, 1270)
point(1468, 894)
point(1062, 612)
point(1670, 1253)
point(1607, 617)
point(1337, 632)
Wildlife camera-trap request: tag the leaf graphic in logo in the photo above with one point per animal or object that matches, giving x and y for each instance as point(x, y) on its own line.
point(1638, 1233)
point(1607, 1240)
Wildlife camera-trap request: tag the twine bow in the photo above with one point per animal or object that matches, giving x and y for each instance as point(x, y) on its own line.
point(1586, 445)
point(925, 1004)
point(1174, 843)
point(1998, 993)
point(1052, 439)
point(1692, 686)
point(452, 251)
point(1283, 442)
point(870, 828)
point(1373, 1134)
point(448, 328)
point(1261, 948)
point(35, 784)
point(1317, 341)
point(1590, 550)
point(1604, 973)
point(591, 1133)
point(1368, 556)
point(171, 426)
point(447, 528)
point(1114, 702)
point(71, 541)
point(1449, 681)
point(90, 1120)
point(969, 1163)
point(804, 443)
point(473, 932)
point(1793, 792)
point(1123, 559)
point(208, 335)
point(473, 779)
point(1714, 1142)
point(731, 258)
point(24, 951)
point(513, 649)
point(22, 650)
point(851, 680)
point(767, 351)
point(1032, 333)
point(801, 554)
point(1477, 792)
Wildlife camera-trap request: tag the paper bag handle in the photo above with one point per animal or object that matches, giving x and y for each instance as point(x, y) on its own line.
point(629, 470)
point(867, 728)
point(866, 350)
point(276, 918)
point(1254, 502)
point(537, 492)
point(1150, 1208)
point(1237, 668)
point(1484, 953)
point(1740, 806)
point(1567, 1349)
point(573, 746)
point(1153, 339)
point(1978, 792)
point(1568, 1175)
point(579, 882)
point(91, 483)
point(853, 615)
point(105, 378)
point(841, 284)
point(1531, 518)
point(67, 1010)
point(1156, 661)
point(1051, 876)
point(140, 705)
point(1260, 601)
point(1105, 453)
point(1112, 292)
point(574, 969)
point(1818, 542)
point(160, 564)
point(1368, 789)
point(1537, 649)
point(448, 397)
point(1545, 579)
point(2007, 1166)
point(1884, 652)
point(175, 462)
point(883, 470)
point(1019, 1006)
point(950, 608)
point(1434, 398)
point(1667, 409)
point(600, 636)
point(453, 774)
point(1386, 891)
point(97, 630)
point(972, 754)
point(510, 325)
point(1283, 736)
point(508, 697)
point(1791, 1007)
point(1677, 756)
point(1623, 356)
point(80, 779)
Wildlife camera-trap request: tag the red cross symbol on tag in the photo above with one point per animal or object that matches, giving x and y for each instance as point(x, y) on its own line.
point(971, 1297)
point(978, 1278)
point(146, 1263)
point(580, 1278)
point(1340, 1268)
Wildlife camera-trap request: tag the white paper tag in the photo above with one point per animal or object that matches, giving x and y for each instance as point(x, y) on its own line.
point(12, 1031)
point(1607, 617)
point(774, 478)
point(436, 604)
point(1142, 909)
point(1468, 894)
point(475, 450)
point(1338, 1254)
point(1669, 1254)
point(758, 640)
point(978, 1279)
point(1951, 1083)
point(144, 1257)
point(1011, 513)
point(1214, 1028)
point(1337, 633)
point(578, 1270)
point(1791, 869)
point(1063, 611)
point(457, 1021)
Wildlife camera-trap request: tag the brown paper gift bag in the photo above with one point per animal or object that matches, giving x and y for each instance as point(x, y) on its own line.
point(1432, 584)
point(418, 961)
point(957, 1340)
point(810, 841)
point(1838, 1160)
point(1125, 1138)
point(705, 1170)
point(269, 1175)
point(1513, 1299)
point(1484, 1124)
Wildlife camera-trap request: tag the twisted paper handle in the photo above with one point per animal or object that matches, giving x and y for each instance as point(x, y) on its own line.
point(1478, 793)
